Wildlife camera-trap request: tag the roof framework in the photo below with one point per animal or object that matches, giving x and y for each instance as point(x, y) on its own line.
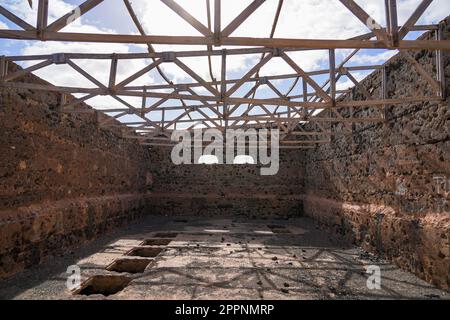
point(217, 105)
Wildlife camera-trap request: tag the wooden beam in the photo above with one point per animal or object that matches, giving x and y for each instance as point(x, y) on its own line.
point(251, 72)
point(217, 21)
point(188, 17)
point(392, 20)
point(367, 20)
point(196, 77)
point(112, 72)
point(233, 25)
point(3, 68)
point(316, 44)
point(362, 88)
point(73, 15)
point(76, 101)
point(138, 74)
point(25, 71)
point(440, 65)
point(42, 17)
point(85, 74)
point(305, 76)
point(434, 84)
point(273, 102)
point(414, 18)
point(332, 64)
point(16, 20)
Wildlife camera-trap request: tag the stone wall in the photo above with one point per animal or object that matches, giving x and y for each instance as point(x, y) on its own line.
point(63, 179)
point(226, 189)
point(385, 186)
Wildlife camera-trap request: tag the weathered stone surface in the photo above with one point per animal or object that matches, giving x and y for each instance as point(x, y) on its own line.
point(386, 186)
point(219, 258)
point(226, 189)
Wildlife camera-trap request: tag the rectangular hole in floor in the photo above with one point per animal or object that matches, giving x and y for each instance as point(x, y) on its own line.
point(156, 242)
point(129, 265)
point(166, 235)
point(145, 252)
point(104, 285)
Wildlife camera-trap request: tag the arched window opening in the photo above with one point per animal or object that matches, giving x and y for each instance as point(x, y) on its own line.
point(244, 159)
point(208, 159)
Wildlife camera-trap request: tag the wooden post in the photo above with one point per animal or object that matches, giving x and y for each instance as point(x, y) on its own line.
point(144, 101)
point(440, 65)
point(392, 21)
point(3, 67)
point(332, 56)
point(223, 86)
point(62, 102)
point(217, 22)
point(384, 92)
point(42, 18)
point(113, 72)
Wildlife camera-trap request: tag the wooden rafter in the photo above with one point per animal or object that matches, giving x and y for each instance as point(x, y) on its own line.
point(221, 109)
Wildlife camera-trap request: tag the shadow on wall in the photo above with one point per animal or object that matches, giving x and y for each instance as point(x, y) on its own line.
point(386, 186)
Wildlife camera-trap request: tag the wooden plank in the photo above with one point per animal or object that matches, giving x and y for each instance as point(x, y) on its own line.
point(332, 64)
point(275, 90)
point(112, 72)
point(217, 20)
point(77, 101)
point(434, 84)
point(392, 21)
point(305, 76)
point(73, 15)
point(112, 118)
point(196, 77)
point(365, 18)
point(414, 18)
point(228, 41)
point(85, 74)
point(233, 25)
point(292, 104)
point(3, 68)
point(440, 65)
point(16, 20)
point(150, 48)
point(25, 71)
point(251, 72)
point(223, 74)
point(188, 17)
point(42, 17)
point(362, 88)
point(138, 74)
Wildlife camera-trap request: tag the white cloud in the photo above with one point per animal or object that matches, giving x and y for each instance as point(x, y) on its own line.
point(307, 19)
point(64, 75)
point(379, 58)
point(346, 83)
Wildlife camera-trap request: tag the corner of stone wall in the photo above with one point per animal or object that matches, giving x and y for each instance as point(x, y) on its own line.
point(385, 186)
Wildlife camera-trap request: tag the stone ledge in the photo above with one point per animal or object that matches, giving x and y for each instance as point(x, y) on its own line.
point(30, 234)
point(417, 243)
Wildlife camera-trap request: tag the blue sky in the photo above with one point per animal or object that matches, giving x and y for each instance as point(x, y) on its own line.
point(298, 19)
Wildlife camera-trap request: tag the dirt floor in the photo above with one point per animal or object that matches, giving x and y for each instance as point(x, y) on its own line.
point(226, 258)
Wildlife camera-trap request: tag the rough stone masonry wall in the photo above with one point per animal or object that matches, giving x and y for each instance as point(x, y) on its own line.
point(226, 189)
point(63, 180)
point(385, 186)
